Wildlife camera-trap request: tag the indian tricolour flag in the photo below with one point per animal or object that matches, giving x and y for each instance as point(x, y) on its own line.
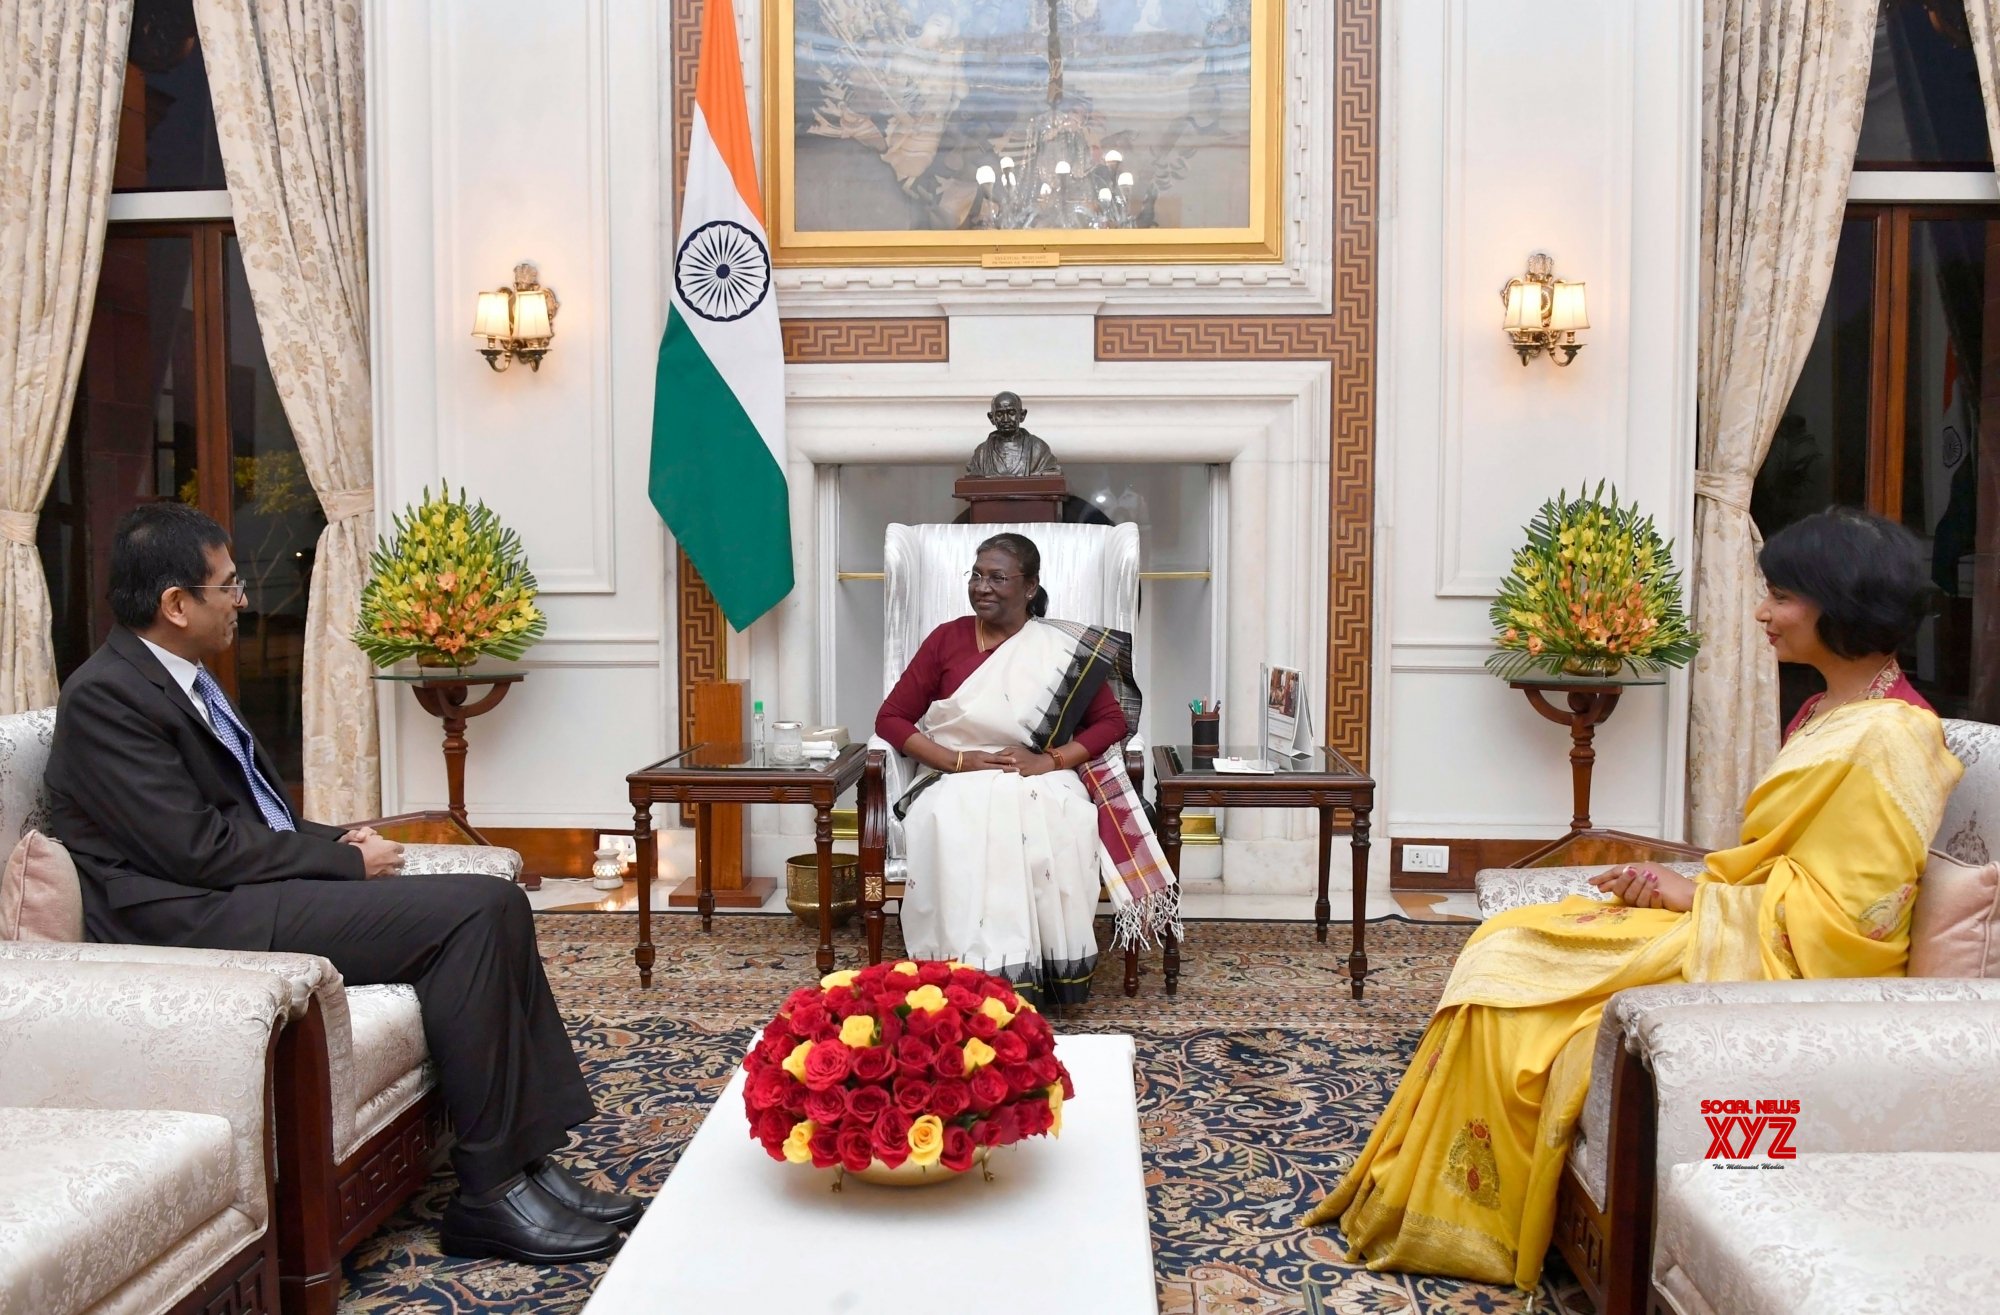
point(718, 476)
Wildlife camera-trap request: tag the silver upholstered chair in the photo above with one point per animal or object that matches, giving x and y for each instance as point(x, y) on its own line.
point(1091, 573)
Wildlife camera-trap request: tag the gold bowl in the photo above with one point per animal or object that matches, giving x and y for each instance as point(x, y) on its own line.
point(802, 887)
point(907, 1174)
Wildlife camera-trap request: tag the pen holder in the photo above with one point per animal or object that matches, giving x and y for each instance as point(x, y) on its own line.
point(1206, 735)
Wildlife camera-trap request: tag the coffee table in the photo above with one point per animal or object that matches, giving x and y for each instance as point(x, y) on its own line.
point(1322, 780)
point(1062, 1226)
point(734, 774)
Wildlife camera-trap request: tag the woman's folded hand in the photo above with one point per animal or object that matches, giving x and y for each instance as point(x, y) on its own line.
point(979, 760)
point(1647, 886)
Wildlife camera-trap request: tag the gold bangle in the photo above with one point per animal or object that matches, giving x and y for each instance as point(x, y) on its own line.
point(958, 765)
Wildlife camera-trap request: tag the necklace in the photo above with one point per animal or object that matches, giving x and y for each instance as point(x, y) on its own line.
point(1885, 676)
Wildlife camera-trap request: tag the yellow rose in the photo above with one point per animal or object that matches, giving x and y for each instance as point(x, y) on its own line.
point(977, 1055)
point(1055, 1108)
point(858, 1031)
point(798, 1148)
point(927, 998)
point(1029, 1005)
point(926, 1140)
point(996, 1011)
point(905, 966)
point(795, 1063)
point(845, 977)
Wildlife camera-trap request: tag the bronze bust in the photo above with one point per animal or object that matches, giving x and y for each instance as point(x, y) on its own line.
point(1011, 450)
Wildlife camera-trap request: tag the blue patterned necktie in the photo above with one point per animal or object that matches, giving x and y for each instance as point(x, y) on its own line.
point(235, 738)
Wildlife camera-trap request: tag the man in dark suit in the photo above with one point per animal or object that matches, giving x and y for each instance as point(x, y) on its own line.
point(182, 836)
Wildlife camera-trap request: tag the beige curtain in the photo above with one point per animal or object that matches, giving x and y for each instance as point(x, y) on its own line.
point(286, 79)
point(59, 104)
point(1983, 18)
point(1784, 83)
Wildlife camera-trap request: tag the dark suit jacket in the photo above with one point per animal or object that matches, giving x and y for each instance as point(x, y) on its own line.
point(153, 807)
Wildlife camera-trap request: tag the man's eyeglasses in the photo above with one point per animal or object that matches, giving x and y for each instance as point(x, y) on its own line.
point(238, 591)
point(974, 577)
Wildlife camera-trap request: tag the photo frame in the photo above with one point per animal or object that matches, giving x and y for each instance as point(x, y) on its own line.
point(1136, 131)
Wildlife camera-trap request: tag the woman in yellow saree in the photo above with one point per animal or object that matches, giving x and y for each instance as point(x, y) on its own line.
point(1459, 1176)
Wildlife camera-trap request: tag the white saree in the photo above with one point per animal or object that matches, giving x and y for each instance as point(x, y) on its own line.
point(1005, 870)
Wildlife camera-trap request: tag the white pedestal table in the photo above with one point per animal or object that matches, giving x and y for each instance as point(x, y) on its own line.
point(1061, 1227)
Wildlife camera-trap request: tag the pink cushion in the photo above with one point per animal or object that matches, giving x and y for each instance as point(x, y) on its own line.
point(1953, 930)
point(40, 899)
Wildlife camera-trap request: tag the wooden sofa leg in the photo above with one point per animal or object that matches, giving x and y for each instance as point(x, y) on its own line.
point(1131, 970)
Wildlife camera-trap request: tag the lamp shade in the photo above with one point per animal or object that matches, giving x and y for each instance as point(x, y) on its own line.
point(491, 319)
point(1569, 312)
point(1524, 306)
point(531, 314)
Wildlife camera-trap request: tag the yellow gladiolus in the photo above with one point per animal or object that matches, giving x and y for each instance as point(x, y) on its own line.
point(977, 1055)
point(795, 1063)
point(926, 1140)
point(858, 1031)
point(798, 1143)
point(926, 997)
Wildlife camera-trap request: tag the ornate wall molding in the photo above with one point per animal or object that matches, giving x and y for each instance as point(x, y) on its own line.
point(861, 342)
point(1346, 339)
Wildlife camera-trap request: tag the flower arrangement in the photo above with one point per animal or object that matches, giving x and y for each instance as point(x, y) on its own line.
point(449, 585)
point(904, 1064)
point(1593, 589)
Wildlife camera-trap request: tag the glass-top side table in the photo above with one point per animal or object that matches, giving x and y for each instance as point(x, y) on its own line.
point(1590, 701)
point(708, 774)
point(1322, 780)
point(443, 692)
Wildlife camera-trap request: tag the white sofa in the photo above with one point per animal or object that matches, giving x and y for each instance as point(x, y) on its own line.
point(1893, 1200)
point(135, 1126)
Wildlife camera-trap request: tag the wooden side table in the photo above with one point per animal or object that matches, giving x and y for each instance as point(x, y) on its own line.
point(1324, 781)
point(442, 692)
point(710, 774)
point(1591, 700)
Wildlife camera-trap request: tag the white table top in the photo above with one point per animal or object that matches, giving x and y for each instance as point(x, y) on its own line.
point(1062, 1227)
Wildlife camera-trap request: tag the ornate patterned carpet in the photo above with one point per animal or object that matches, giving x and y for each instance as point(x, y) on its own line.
point(1256, 1086)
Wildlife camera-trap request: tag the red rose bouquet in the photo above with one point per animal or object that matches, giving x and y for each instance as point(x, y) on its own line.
point(903, 1063)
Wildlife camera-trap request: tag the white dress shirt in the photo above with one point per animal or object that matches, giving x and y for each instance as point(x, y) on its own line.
point(183, 672)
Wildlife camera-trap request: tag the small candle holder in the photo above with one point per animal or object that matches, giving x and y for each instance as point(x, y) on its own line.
point(607, 872)
point(788, 746)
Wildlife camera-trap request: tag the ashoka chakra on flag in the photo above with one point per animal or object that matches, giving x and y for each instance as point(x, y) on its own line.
point(723, 271)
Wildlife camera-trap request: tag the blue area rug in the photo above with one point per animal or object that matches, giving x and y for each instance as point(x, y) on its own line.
point(1257, 1085)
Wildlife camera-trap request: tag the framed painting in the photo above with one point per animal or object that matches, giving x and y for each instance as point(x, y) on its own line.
point(1023, 132)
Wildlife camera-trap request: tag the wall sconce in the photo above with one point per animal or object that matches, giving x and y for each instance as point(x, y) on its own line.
point(1543, 312)
point(517, 322)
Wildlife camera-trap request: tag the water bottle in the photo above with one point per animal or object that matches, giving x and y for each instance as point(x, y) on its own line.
point(757, 730)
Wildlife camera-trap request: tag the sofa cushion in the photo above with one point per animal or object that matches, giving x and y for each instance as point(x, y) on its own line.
point(1906, 1231)
point(89, 1198)
point(1969, 831)
point(40, 899)
point(1952, 928)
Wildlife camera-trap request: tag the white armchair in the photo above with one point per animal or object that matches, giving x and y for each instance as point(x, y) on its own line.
point(1091, 573)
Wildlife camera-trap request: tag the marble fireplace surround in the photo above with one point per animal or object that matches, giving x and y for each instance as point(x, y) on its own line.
point(1265, 422)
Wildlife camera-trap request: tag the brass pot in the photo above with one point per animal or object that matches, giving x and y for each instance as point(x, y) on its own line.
point(917, 1175)
point(802, 887)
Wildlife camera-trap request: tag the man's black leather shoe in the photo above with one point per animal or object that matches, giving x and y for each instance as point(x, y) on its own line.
point(602, 1207)
point(527, 1225)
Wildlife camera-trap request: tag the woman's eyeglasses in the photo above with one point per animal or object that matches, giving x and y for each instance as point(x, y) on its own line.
point(238, 591)
point(974, 577)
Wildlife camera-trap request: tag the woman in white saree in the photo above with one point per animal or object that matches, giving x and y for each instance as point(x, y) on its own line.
point(1024, 808)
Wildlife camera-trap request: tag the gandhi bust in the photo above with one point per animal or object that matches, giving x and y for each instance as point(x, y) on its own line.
point(1011, 450)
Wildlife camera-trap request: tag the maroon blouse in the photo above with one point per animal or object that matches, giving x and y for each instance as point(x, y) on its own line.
point(940, 665)
point(1890, 684)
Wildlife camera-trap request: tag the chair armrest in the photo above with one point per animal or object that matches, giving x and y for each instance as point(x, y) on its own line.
point(872, 802)
point(1941, 1092)
point(97, 1035)
point(305, 977)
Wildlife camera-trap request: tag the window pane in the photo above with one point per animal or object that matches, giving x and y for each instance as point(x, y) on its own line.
point(276, 523)
point(1946, 303)
point(132, 432)
point(1923, 91)
point(166, 138)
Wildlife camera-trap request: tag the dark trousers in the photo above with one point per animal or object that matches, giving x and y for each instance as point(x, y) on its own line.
point(467, 943)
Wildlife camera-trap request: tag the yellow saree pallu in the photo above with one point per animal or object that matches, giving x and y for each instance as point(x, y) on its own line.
point(1459, 1176)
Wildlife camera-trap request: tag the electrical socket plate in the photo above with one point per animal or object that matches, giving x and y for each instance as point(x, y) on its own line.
point(1426, 858)
point(627, 846)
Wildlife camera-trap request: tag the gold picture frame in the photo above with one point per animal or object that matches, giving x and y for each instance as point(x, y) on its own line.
point(933, 187)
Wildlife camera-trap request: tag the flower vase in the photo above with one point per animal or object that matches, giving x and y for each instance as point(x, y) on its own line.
point(446, 661)
point(1591, 664)
point(908, 1174)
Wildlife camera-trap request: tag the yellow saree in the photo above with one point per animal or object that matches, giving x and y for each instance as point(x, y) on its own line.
point(1459, 1176)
